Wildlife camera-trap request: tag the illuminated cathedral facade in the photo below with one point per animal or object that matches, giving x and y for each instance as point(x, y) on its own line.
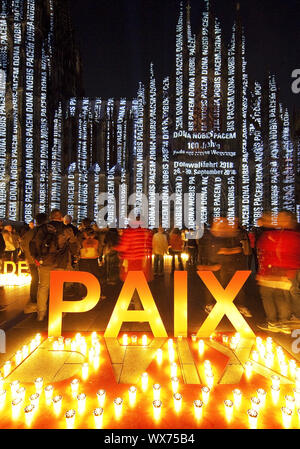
point(206, 141)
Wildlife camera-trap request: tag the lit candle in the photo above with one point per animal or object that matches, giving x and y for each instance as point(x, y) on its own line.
point(286, 416)
point(170, 343)
point(157, 405)
point(179, 337)
point(34, 400)
point(29, 410)
point(134, 339)
point(255, 403)
point(175, 383)
point(74, 386)
point(94, 337)
point(91, 354)
point(74, 345)
point(7, 368)
point(97, 347)
point(275, 380)
point(57, 401)
point(171, 355)
point(2, 397)
point(297, 396)
point(159, 355)
point(284, 368)
point(177, 401)
point(125, 339)
point(38, 338)
point(118, 406)
point(209, 379)
point(144, 381)
point(225, 339)
point(132, 394)
point(85, 370)
point(83, 347)
point(275, 391)
point(14, 385)
point(228, 409)
point(70, 418)
point(252, 416)
point(21, 393)
point(48, 392)
point(55, 345)
point(201, 346)
point(78, 337)
point(173, 369)
point(261, 350)
point(258, 341)
point(290, 402)
point(38, 384)
point(198, 407)
point(261, 393)
point(144, 340)
point(16, 407)
point(156, 391)
point(255, 355)
point(237, 396)
point(98, 417)
point(292, 367)
point(33, 345)
point(101, 397)
point(18, 357)
point(269, 359)
point(205, 394)
point(269, 344)
point(194, 337)
point(81, 399)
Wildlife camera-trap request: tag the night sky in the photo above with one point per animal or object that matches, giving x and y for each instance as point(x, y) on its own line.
point(119, 38)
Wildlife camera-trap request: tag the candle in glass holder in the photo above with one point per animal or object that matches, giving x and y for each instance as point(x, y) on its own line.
point(101, 394)
point(132, 394)
point(209, 379)
point(284, 368)
point(74, 386)
point(38, 384)
point(173, 369)
point(33, 345)
point(286, 416)
point(70, 418)
point(159, 355)
point(275, 391)
point(118, 402)
point(97, 347)
point(248, 368)
point(2, 398)
point(38, 338)
point(201, 346)
point(81, 400)
point(85, 370)
point(16, 407)
point(21, 393)
point(170, 344)
point(225, 339)
point(255, 355)
point(228, 409)
point(144, 381)
point(25, 351)
point(175, 383)
point(198, 407)
point(261, 394)
point(34, 400)
point(177, 401)
point(194, 337)
point(292, 367)
point(269, 344)
point(237, 396)
point(29, 411)
point(68, 342)
point(252, 416)
point(290, 402)
point(7, 368)
point(275, 380)
point(91, 354)
point(125, 339)
point(14, 386)
point(144, 340)
point(98, 417)
point(255, 403)
point(18, 357)
point(269, 359)
point(134, 339)
point(74, 345)
point(48, 392)
point(205, 394)
point(171, 355)
point(57, 401)
point(157, 405)
point(156, 391)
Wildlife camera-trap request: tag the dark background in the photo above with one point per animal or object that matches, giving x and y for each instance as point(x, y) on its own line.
point(119, 38)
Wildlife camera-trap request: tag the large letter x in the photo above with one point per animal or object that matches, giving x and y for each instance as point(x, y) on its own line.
point(224, 304)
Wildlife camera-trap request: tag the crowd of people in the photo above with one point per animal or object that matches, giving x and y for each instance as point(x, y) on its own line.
point(271, 250)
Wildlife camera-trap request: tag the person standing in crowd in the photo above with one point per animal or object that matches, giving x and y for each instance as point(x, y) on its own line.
point(159, 249)
point(278, 252)
point(192, 247)
point(25, 242)
point(12, 245)
point(89, 253)
point(52, 248)
point(221, 251)
point(176, 244)
point(68, 222)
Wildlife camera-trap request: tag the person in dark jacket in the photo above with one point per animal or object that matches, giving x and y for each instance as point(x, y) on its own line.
point(52, 248)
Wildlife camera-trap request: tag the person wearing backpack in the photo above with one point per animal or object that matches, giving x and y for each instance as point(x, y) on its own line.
point(52, 247)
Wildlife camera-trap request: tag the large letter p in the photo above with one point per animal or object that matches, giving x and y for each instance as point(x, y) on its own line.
point(56, 304)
